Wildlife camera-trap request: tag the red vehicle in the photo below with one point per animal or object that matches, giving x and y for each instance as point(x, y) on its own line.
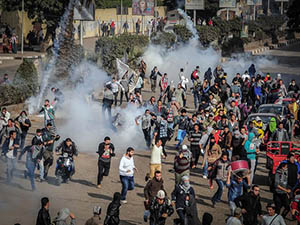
point(277, 151)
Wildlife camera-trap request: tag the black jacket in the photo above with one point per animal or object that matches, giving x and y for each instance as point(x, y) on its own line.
point(179, 196)
point(43, 217)
point(72, 150)
point(154, 74)
point(113, 212)
point(157, 210)
point(5, 146)
point(101, 149)
point(252, 204)
point(191, 212)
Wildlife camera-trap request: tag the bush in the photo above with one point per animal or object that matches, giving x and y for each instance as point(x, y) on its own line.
point(24, 85)
point(182, 33)
point(207, 34)
point(233, 45)
point(166, 39)
point(110, 48)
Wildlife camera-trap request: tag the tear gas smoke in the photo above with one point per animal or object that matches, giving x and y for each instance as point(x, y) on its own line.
point(82, 118)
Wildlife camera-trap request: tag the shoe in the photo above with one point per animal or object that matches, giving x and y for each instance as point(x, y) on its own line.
point(204, 176)
point(123, 201)
point(145, 219)
point(41, 180)
point(99, 186)
point(213, 204)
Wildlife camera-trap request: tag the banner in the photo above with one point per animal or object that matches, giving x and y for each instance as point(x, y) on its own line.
point(254, 2)
point(84, 10)
point(125, 70)
point(143, 7)
point(194, 4)
point(227, 3)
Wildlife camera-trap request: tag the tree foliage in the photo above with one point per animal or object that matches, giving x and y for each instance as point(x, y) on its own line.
point(110, 48)
point(294, 15)
point(103, 4)
point(24, 85)
point(183, 34)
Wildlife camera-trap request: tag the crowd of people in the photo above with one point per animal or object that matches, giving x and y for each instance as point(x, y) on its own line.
point(213, 134)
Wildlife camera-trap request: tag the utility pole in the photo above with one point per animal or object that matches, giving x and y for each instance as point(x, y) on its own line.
point(227, 14)
point(195, 15)
point(121, 17)
point(254, 9)
point(281, 10)
point(268, 12)
point(22, 39)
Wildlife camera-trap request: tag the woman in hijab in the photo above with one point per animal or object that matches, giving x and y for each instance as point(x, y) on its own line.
point(113, 210)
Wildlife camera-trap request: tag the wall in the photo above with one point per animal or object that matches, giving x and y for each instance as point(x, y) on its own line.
point(91, 28)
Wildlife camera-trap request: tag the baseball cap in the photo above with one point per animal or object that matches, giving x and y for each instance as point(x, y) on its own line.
point(97, 210)
point(161, 194)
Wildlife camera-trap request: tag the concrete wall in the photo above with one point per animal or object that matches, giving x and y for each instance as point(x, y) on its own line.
point(91, 28)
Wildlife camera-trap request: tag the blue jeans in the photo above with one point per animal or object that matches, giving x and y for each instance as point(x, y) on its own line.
point(127, 184)
point(197, 99)
point(180, 136)
point(30, 166)
point(11, 167)
point(205, 171)
point(218, 195)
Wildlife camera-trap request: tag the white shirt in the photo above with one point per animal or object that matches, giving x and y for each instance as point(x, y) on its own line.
point(10, 153)
point(156, 153)
point(244, 76)
point(126, 164)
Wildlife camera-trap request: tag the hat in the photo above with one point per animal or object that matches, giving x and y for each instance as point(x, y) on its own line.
point(258, 118)
point(63, 214)
point(184, 147)
point(161, 194)
point(97, 210)
point(271, 205)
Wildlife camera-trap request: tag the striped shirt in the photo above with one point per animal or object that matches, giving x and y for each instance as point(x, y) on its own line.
point(196, 137)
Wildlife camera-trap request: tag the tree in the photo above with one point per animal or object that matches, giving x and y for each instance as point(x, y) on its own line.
point(294, 15)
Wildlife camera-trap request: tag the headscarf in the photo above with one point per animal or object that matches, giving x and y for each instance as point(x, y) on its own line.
point(272, 124)
point(185, 183)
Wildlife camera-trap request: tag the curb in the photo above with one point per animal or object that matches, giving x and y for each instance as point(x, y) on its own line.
point(24, 57)
point(274, 46)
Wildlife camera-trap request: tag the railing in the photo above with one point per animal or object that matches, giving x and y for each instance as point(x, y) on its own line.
point(283, 147)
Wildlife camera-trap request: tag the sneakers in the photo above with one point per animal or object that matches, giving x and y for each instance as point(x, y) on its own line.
point(204, 176)
point(99, 186)
point(123, 201)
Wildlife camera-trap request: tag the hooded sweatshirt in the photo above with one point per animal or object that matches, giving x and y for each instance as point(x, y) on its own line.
point(250, 147)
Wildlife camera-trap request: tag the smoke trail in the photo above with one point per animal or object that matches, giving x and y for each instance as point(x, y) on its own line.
point(34, 103)
point(189, 24)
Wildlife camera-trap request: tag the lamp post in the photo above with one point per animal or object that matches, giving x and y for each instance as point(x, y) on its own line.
point(22, 36)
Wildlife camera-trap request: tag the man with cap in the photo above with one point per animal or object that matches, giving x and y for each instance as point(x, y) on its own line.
point(160, 209)
point(96, 219)
point(62, 217)
point(272, 218)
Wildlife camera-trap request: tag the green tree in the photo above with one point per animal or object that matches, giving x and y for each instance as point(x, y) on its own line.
point(294, 15)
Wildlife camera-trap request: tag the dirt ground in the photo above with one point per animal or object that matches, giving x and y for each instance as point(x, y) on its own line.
point(19, 205)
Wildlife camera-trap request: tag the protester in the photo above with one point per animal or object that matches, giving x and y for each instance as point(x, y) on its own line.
point(150, 191)
point(236, 218)
point(179, 196)
point(160, 209)
point(96, 219)
point(62, 217)
point(272, 218)
point(40, 163)
point(43, 217)
point(10, 150)
point(182, 163)
point(49, 114)
point(250, 204)
point(126, 170)
point(25, 124)
point(146, 122)
point(106, 150)
point(113, 211)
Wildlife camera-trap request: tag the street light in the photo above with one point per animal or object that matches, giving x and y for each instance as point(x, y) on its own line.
point(22, 44)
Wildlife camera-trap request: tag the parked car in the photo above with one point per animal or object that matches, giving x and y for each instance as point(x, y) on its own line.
point(280, 110)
